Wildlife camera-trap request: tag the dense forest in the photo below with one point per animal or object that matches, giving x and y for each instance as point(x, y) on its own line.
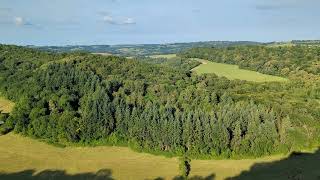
point(159, 107)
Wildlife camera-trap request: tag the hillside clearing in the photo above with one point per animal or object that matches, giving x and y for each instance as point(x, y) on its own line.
point(167, 56)
point(19, 153)
point(103, 54)
point(233, 72)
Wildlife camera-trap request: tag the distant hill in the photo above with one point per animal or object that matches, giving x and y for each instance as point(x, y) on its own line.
point(143, 49)
point(294, 43)
point(306, 42)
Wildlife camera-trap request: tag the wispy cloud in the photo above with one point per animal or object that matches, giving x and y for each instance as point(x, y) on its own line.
point(8, 17)
point(115, 20)
point(108, 19)
point(266, 7)
point(20, 21)
point(118, 21)
point(129, 21)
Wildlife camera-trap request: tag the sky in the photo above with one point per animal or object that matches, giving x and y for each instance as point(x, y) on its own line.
point(86, 22)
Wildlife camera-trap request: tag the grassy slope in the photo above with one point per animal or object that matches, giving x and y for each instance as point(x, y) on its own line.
point(19, 153)
point(5, 105)
point(227, 70)
point(233, 72)
point(223, 169)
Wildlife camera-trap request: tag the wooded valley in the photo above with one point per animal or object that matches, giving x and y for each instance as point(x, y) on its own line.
point(150, 106)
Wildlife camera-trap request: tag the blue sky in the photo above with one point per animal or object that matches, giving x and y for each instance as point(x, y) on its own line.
point(69, 22)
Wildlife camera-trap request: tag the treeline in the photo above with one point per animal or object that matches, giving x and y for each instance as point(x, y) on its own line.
point(92, 99)
point(142, 49)
point(176, 62)
point(283, 61)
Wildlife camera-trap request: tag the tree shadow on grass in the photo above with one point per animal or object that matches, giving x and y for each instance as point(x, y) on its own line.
point(210, 177)
point(103, 174)
point(298, 166)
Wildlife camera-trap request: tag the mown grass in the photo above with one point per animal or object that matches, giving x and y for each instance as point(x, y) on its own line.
point(233, 72)
point(223, 169)
point(103, 54)
point(167, 56)
point(5, 105)
point(19, 153)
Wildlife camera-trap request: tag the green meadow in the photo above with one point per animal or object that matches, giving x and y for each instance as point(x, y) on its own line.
point(168, 56)
point(23, 154)
point(233, 72)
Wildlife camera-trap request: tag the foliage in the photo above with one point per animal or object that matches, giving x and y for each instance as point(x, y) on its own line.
point(84, 98)
point(142, 49)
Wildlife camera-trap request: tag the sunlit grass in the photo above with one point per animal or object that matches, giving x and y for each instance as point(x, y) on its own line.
point(168, 56)
point(19, 153)
point(5, 105)
point(233, 72)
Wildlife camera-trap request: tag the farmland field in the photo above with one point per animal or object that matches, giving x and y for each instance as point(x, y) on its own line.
point(103, 54)
point(168, 56)
point(19, 153)
point(5, 105)
point(233, 72)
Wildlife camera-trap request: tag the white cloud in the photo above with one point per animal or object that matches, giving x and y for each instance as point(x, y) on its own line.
point(129, 21)
point(108, 19)
point(19, 21)
point(117, 20)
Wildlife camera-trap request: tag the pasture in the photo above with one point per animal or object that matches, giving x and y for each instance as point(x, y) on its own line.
point(103, 54)
point(20, 154)
point(167, 56)
point(233, 72)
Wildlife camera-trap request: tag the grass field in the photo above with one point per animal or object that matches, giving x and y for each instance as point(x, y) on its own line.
point(103, 54)
point(19, 153)
point(223, 169)
point(168, 56)
point(5, 105)
point(233, 72)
